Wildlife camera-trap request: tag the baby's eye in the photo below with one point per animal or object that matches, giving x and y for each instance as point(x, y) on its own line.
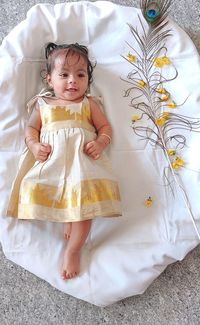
point(64, 75)
point(81, 75)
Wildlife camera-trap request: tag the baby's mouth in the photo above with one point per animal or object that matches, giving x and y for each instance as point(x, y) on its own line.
point(72, 89)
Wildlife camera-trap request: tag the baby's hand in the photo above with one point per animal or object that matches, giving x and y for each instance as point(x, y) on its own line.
point(40, 151)
point(94, 149)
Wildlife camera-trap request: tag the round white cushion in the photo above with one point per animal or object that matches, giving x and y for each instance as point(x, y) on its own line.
point(122, 256)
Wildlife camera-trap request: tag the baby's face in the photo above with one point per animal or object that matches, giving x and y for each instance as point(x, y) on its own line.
point(69, 77)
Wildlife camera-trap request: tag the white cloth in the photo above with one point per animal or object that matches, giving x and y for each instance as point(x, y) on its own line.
point(122, 256)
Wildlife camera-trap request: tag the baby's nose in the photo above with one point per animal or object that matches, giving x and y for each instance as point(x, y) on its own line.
point(72, 79)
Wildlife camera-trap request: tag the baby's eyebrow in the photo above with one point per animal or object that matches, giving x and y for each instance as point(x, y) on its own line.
point(64, 70)
point(82, 70)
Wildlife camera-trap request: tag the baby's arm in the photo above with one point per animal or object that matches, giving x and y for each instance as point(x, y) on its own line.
point(104, 132)
point(40, 150)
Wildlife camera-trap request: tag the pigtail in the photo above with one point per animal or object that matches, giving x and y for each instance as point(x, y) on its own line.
point(50, 48)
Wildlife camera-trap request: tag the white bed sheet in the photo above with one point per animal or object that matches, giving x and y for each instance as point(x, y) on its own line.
point(122, 256)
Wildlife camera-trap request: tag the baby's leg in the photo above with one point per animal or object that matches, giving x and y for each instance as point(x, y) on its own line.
point(71, 262)
point(67, 229)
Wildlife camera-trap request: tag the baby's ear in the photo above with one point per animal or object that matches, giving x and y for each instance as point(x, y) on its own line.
point(48, 80)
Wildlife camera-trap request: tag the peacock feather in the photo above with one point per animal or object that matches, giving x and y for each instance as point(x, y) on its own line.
point(156, 118)
point(155, 12)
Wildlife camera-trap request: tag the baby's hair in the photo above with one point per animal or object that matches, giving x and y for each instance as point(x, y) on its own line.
point(52, 50)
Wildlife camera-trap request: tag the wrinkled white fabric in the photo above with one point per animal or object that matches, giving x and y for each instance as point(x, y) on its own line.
point(122, 256)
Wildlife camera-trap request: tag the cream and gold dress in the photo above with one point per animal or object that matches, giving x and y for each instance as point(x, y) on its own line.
point(69, 185)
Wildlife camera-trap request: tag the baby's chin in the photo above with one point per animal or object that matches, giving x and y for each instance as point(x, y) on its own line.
point(73, 95)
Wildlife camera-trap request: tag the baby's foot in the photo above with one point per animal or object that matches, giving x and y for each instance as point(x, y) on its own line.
point(67, 230)
point(71, 264)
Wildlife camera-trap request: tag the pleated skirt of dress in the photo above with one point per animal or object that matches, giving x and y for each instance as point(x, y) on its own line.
point(69, 185)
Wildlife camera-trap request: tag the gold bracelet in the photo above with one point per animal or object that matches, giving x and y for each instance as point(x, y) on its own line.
point(28, 139)
point(107, 136)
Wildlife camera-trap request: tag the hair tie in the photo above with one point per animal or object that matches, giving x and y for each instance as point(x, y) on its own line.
point(49, 48)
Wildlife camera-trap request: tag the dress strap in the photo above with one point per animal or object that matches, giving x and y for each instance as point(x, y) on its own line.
point(98, 100)
point(32, 102)
point(41, 101)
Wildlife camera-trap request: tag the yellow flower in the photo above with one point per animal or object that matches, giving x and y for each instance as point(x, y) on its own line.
point(161, 90)
point(131, 57)
point(158, 62)
point(135, 118)
point(163, 117)
point(178, 163)
point(141, 83)
point(164, 98)
point(171, 152)
point(160, 121)
point(148, 202)
point(171, 104)
point(166, 60)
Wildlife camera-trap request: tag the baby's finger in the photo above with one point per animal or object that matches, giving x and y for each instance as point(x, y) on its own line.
point(87, 150)
point(45, 147)
point(42, 159)
point(42, 154)
point(96, 156)
point(91, 151)
point(89, 145)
